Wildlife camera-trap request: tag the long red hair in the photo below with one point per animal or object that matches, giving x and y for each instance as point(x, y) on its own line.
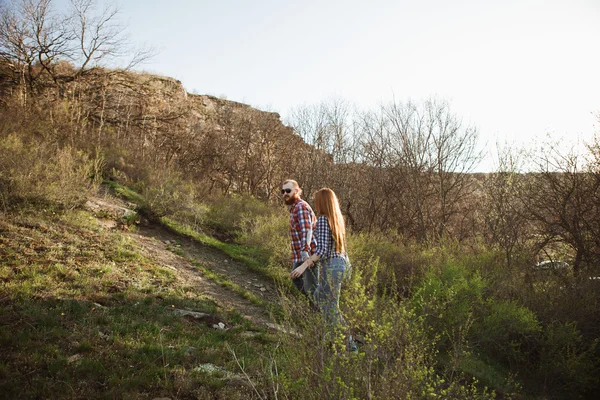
point(327, 204)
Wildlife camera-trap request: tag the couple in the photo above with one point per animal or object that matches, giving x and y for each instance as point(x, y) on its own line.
point(322, 240)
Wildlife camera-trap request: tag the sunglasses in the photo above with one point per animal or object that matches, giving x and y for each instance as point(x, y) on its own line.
point(286, 191)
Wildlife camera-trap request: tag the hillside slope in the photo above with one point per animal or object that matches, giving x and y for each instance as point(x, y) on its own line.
point(93, 308)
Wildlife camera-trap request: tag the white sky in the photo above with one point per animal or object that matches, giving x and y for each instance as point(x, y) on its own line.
point(517, 69)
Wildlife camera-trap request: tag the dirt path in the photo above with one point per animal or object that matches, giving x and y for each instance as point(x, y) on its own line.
point(157, 242)
point(217, 261)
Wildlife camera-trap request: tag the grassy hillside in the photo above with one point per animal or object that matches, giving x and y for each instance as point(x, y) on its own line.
point(85, 314)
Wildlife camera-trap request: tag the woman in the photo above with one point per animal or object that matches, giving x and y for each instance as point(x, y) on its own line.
point(331, 250)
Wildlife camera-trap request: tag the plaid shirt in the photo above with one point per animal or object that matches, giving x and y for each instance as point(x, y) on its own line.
point(302, 219)
point(325, 242)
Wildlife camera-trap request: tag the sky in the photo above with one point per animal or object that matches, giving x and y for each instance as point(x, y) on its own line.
point(519, 70)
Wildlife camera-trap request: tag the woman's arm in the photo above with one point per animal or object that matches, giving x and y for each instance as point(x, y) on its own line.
point(309, 262)
point(322, 236)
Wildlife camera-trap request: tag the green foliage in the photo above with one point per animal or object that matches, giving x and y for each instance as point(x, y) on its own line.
point(41, 172)
point(453, 302)
point(125, 192)
point(231, 216)
point(507, 330)
point(269, 232)
point(568, 360)
point(402, 263)
point(448, 298)
point(396, 358)
point(164, 192)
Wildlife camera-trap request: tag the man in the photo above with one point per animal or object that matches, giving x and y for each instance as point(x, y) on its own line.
point(302, 224)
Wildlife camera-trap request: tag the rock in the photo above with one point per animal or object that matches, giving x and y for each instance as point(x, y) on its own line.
point(108, 224)
point(279, 328)
point(98, 205)
point(220, 326)
point(213, 369)
point(74, 358)
point(249, 334)
point(193, 314)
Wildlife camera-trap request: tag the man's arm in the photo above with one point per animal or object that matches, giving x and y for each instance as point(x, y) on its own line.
point(305, 222)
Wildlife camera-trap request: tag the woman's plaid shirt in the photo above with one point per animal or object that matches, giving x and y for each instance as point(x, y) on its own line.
point(325, 243)
point(302, 219)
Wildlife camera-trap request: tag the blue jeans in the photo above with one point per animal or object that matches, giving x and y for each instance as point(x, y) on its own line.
point(327, 293)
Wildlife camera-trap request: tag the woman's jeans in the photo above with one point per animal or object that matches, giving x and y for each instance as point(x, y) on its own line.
point(327, 293)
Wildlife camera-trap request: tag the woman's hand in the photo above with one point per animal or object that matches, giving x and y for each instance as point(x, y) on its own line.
point(299, 270)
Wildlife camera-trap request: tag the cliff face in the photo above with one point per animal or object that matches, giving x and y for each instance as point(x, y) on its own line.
point(146, 120)
point(125, 97)
point(112, 97)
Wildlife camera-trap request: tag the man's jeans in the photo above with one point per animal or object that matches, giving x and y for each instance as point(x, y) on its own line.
point(307, 283)
point(327, 294)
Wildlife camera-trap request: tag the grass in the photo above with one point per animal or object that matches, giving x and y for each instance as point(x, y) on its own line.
point(237, 252)
point(255, 259)
point(224, 281)
point(84, 315)
point(125, 192)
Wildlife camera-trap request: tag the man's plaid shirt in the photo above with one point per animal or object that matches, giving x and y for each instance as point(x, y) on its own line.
point(302, 219)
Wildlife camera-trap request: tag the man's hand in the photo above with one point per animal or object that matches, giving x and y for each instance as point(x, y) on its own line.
point(304, 255)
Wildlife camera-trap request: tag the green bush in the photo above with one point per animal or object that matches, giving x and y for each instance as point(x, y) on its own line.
point(231, 216)
point(473, 333)
point(166, 192)
point(400, 264)
point(43, 172)
point(507, 331)
point(396, 358)
point(448, 298)
point(270, 233)
point(568, 361)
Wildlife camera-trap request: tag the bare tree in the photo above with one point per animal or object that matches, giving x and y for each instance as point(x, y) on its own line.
point(35, 40)
point(504, 216)
point(434, 153)
point(562, 201)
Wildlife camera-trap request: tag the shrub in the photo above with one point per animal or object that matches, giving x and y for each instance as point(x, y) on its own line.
point(235, 214)
point(507, 331)
point(400, 264)
point(41, 172)
point(568, 361)
point(396, 358)
point(270, 233)
point(473, 332)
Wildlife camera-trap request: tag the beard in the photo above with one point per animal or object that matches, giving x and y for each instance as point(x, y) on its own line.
point(291, 199)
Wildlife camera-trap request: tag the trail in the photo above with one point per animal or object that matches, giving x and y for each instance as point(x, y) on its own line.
point(158, 242)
